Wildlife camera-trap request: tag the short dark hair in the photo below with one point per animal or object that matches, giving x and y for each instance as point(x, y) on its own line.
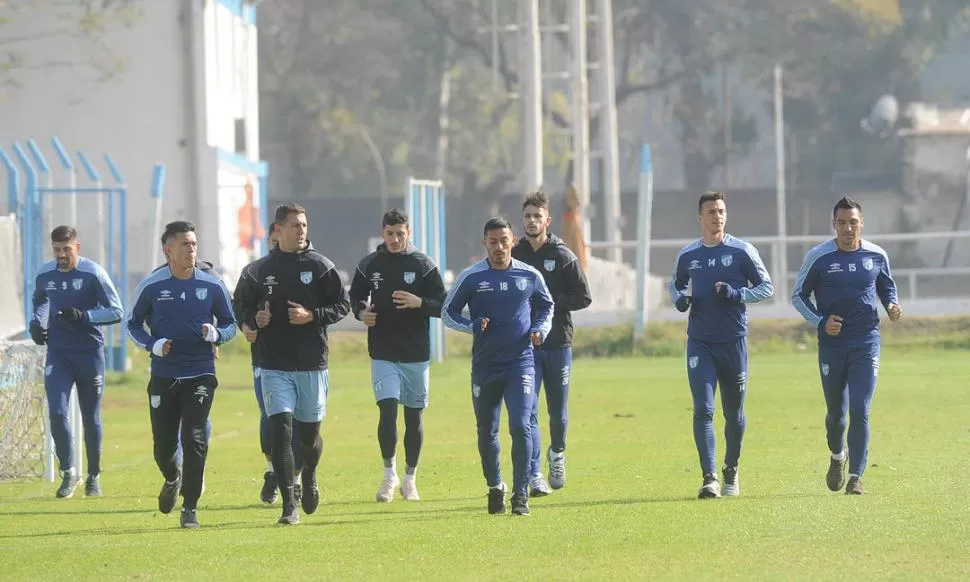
point(710, 196)
point(283, 211)
point(394, 217)
point(846, 203)
point(537, 199)
point(63, 234)
point(177, 227)
point(497, 223)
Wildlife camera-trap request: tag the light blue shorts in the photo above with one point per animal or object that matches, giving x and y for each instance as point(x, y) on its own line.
point(407, 383)
point(304, 394)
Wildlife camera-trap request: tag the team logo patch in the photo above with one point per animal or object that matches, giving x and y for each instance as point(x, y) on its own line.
point(306, 277)
point(692, 362)
point(48, 369)
point(201, 293)
point(867, 264)
point(521, 284)
point(549, 265)
point(155, 400)
point(476, 390)
point(77, 283)
point(825, 369)
point(726, 260)
point(409, 277)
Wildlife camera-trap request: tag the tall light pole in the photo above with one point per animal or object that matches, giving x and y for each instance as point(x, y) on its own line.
point(531, 67)
point(608, 139)
point(580, 107)
point(781, 272)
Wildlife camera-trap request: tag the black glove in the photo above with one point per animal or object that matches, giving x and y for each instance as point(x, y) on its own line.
point(683, 303)
point(38, 333)
point(728, 292)
point(70, 314)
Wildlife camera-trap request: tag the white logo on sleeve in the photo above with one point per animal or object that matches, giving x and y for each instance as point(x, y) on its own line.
point(825, 369)
point(692, 362)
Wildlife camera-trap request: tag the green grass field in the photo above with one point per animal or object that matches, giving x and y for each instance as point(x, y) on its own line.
point(628, 510)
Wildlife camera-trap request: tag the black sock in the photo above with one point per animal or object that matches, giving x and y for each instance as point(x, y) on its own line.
point(282, 427)
point(310, 444)
point(387, 428)
point(413, 436)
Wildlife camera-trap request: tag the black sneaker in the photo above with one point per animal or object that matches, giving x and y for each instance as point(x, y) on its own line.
point(188, 519)
point(835, 478)
point(92, 487)
point(732, 487)
point(290, 516)
point(169, 494)
point(854, 486)
point(268, 493)
point(496, 499)
point(520, 504)
point(310, 495)
point(711, 489)
point(69, 483)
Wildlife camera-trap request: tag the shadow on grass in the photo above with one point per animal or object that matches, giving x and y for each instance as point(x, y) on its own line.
point(423, 511)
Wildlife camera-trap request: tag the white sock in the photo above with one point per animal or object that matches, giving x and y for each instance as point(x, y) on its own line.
point(390, 471)
point(269, 467)
point(840, 456)
point(409, 477)
point(853, 476)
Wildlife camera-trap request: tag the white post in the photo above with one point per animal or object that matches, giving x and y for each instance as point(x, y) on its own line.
point(780, 276)
point(72, 200)
point(532, 97)
point(580, 106)
point(49, 456)
point(644, 223)
point(102, 240)
point(77, 433)
point(608, 131)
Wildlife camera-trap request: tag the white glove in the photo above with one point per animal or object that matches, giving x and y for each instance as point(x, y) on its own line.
point(157, 347)
point(210, 333)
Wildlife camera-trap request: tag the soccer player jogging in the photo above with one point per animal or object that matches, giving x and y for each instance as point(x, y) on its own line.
point(719, 268)
point(511, 312)
point(75, 297)
point(290, 297)
point(566, 281)
point(269, 491)
point(849, 276)
point(395, 292)
point(179, 313)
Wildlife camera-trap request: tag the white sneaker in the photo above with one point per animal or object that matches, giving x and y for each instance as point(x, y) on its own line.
point(385, 494)
point(711, 489)
point(409, 489)
point(732, 486)
point(557, 469)
point(538, 487)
